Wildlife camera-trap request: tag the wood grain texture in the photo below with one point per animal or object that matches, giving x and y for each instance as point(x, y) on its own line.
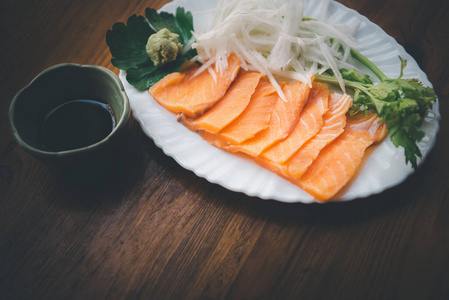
point(159, 232)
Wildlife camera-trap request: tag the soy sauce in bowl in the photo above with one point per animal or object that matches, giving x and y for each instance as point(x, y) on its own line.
point(76, 124)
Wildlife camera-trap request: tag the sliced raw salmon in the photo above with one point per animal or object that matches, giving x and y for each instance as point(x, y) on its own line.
point(183, 92)
point(229, 107)
point(283, 120)
point(334, 123)
point(252, 120)
point(310, 122)
point(338, 162)
point(307, 139)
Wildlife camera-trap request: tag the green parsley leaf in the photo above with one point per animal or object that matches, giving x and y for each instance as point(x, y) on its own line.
point(352, 75)
point(160, 20)
point(127, 43)
point(401, 103)
point(148, 74)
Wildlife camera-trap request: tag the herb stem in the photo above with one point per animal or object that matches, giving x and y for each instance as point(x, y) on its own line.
point(369, 64)
point(333, 80)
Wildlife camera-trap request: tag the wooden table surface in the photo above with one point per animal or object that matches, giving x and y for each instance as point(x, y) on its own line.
point(160, 232)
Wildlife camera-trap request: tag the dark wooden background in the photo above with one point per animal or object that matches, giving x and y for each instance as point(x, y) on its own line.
point(160, 232)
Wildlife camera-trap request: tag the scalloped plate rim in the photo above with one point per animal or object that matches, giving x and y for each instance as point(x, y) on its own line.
point(142, 111)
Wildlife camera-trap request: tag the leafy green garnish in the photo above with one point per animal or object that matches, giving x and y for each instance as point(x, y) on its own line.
point(127, 44)
point(401, 103)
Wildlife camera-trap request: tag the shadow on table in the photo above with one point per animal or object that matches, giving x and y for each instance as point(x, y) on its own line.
point(336, 213)
point(87, 186)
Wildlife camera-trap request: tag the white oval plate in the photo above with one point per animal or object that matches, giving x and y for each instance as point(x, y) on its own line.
point(384, 167)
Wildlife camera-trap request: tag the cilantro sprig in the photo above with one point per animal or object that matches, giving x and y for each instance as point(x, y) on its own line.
point(401, 103)
point(127, 44)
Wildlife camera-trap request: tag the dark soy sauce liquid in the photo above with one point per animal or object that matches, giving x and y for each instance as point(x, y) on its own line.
point(76, 124)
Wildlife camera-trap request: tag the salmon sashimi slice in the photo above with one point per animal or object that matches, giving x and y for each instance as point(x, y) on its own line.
point(191, 93)
point(310, 122)
point(252, 120)
point(334, 121)
point(338, 162)
point(229, 107)
point(282, 121)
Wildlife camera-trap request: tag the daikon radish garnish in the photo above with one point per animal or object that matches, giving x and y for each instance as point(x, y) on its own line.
point(274, 38)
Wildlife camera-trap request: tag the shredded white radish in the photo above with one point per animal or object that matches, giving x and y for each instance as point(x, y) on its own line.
point(205, 66)
point(272, 37)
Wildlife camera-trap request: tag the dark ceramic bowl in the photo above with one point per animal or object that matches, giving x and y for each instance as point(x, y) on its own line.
point(55, 86)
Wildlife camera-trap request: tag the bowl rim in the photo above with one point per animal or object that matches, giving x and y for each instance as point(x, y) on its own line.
point(43, 153)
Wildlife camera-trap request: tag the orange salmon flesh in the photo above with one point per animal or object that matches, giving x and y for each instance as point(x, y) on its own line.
point(307, 138)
